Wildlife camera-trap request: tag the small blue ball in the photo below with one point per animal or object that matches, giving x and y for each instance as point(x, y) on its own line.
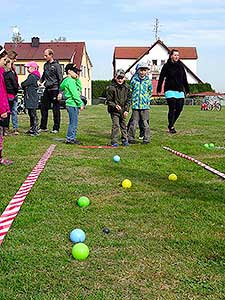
point(116, 158)
point(77, 236)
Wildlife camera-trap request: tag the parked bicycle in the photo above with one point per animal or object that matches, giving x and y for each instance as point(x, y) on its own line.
point(211, 103)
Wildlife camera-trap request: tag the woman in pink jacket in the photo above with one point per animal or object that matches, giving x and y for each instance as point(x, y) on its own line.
point(4, 105)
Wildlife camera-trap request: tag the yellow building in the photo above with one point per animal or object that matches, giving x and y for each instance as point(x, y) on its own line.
point(64, 52)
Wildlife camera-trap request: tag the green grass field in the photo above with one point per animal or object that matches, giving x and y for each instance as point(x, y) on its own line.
point(167, 239)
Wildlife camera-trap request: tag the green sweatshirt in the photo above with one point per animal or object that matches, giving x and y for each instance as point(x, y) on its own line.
point(72, 89)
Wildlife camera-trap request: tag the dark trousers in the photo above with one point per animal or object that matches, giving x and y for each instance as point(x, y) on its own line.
point(118, 124)
point(33, 120)
point(175, 108)
point(49, 98)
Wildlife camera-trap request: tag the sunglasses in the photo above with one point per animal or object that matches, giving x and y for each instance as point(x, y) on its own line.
point(120, 77)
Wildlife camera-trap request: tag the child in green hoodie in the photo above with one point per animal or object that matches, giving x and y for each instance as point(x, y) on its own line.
point(71, 86)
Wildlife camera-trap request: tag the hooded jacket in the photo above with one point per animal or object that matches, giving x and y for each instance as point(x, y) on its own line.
point(141, 92)
point(175, 77)
point(4, 104)
point(52, 75)
point(72, 90)
point(118, 94)
point(30, 87)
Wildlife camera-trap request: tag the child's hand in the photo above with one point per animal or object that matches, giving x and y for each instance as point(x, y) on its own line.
point(125, 114)
point(4, 115)
point(118, 107)
point(82, 108)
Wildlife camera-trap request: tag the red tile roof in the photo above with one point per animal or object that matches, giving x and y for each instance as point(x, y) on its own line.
point(137, 52)
point(62, 51)
point(129, 52)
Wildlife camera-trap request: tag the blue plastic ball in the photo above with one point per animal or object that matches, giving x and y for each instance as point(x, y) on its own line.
point(77, 236)
point(116, 158)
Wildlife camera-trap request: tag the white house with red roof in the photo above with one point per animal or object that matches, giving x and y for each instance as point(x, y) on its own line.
point(64, 52)
point(156, 55)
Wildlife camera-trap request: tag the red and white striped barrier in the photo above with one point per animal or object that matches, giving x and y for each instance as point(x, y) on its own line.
point(11, 211)
point(214, 171)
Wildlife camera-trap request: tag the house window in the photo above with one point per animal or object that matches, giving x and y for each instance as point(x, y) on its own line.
point(154, 77)
point(62, 68)
point(20, 69)
point(84, 69)
point(154, 62)
point(81, 73)
point(85, 92)
point(88, 93)
point(162, 62)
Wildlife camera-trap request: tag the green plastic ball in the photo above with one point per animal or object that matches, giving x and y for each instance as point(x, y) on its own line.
point(80, 251)
point(206, 146)
point(211, 145)
point(83, 201)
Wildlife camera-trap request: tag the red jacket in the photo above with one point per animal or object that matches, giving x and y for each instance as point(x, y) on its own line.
point(4, 104)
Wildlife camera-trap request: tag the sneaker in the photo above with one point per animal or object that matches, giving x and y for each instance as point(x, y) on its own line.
point(16, 132)
point(54, 131)
point(42, 130)
point(132, 142)
point(34, 134)
point(125, 144)
point(172, 130)
point(72, 142)
point(115, 145)
point(29, 132)
point(5, 162)
point(6, 132)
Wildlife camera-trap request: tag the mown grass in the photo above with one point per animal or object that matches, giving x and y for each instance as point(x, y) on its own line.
point(167, 238)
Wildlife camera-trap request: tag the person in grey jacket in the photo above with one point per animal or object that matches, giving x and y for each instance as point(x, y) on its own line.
point(51, 79)
point(31, 96)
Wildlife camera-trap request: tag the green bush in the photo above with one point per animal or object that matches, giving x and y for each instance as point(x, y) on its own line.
point(196, 88)
point(99, 88)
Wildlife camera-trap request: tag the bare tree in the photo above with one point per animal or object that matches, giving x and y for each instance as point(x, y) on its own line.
point(16, 37)
point(59, 39)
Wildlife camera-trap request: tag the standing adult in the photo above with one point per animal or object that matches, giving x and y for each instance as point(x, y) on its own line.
point(52, 77)
point(175, 88)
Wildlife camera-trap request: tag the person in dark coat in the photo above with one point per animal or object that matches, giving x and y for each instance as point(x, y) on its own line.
point(175, 88)
point(30, 86)
point(118, 99)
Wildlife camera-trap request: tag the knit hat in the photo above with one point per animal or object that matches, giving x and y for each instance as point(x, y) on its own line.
point(120, 72)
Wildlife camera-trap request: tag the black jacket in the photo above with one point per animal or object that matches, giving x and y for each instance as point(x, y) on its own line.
point(30, 91)
point(11, 82)
point(175, 77)
point(52, 75)
point(118, 94)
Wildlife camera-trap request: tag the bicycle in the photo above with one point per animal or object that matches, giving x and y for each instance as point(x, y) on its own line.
point(213, 103)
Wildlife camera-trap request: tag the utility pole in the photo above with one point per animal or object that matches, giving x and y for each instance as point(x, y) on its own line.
point(156, 29)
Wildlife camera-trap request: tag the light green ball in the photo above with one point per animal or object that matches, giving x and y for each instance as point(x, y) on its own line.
point(211, 145)
point(80, 251)
point(206, 146)
point(83, 201)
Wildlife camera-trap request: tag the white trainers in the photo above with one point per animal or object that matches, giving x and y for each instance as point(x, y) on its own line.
point(54, 131)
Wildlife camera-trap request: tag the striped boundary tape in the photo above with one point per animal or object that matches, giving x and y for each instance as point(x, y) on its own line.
point(11, 211)
point(214, 171)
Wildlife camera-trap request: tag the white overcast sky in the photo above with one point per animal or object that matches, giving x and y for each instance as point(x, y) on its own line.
point(104, 24)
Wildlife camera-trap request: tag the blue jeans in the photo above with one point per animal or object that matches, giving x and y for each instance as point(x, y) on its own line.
point(13, 108)
point(14, 113)
point(73, 118)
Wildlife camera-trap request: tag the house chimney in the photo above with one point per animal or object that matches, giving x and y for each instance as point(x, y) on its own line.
point(35, 42)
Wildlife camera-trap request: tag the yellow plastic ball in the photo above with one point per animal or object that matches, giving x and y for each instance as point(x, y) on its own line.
point(126, 184)
point(172, 177)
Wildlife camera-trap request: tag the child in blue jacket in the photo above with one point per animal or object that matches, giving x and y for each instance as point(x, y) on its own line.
point(141, 87)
